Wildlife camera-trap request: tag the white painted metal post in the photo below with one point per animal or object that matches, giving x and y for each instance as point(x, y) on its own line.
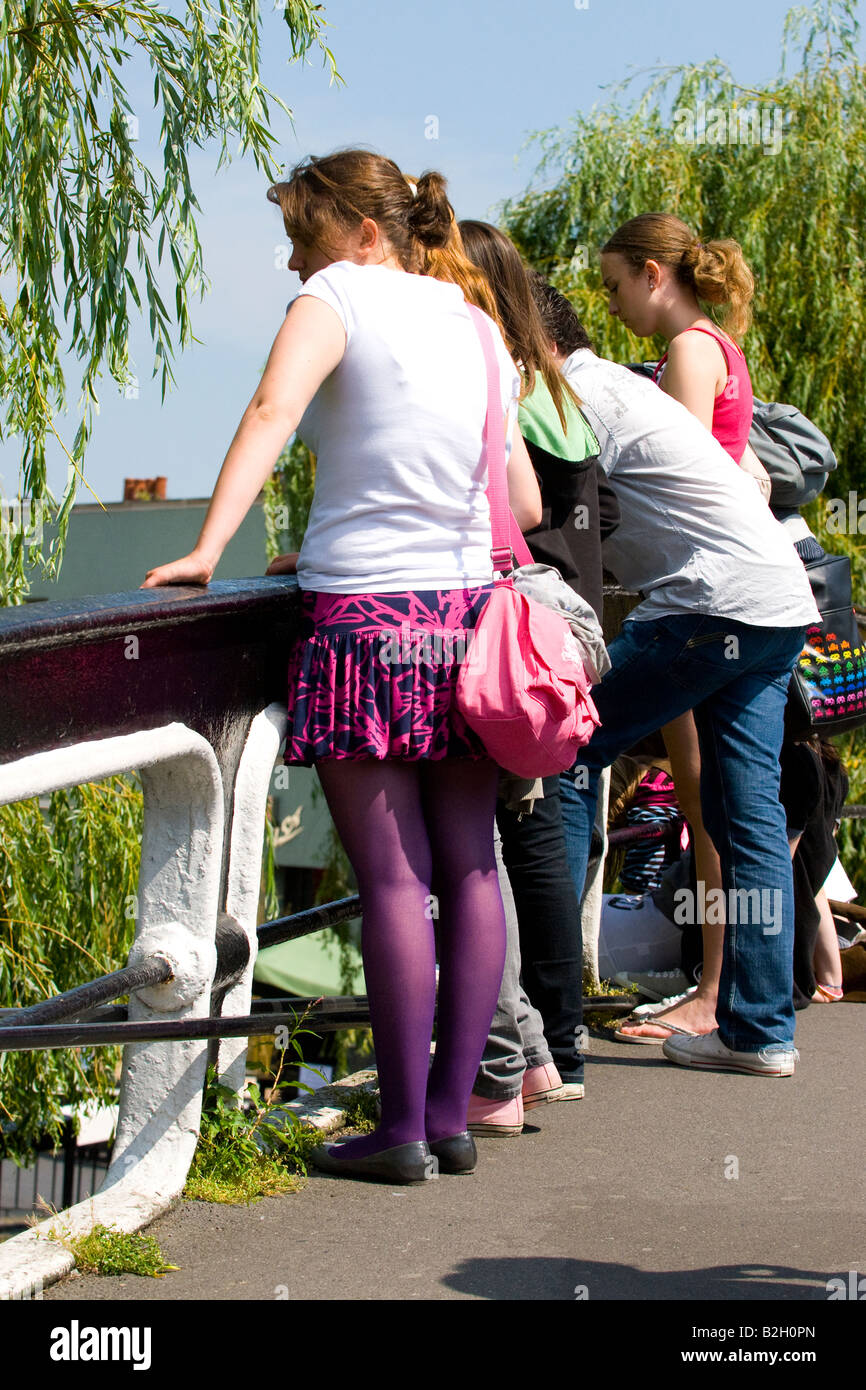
point(160, 1102)
point(252, 782)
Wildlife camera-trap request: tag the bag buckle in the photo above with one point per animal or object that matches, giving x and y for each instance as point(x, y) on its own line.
point(502, 555)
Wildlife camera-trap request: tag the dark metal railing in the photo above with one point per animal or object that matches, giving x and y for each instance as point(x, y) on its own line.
point(57, 1022)
point(83, 998)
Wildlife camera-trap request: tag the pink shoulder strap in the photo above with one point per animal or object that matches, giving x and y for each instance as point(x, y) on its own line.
point(507, 536)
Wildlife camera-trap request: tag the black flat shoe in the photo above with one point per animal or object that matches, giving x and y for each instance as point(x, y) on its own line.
point(404, 1163)
point(457, 1154)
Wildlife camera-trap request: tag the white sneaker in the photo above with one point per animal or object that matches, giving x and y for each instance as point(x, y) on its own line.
point(572, 1090)
point(647, 1010)
point(708, 1051)
point(655, 984)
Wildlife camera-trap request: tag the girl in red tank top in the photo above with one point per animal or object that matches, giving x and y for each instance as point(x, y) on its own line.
point(656, 272)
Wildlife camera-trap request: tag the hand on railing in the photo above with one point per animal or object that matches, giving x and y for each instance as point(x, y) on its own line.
point(191, 569)
point(284, 564)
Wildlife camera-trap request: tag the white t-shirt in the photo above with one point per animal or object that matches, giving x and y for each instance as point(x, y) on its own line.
point(396, 428)
point(694, 536)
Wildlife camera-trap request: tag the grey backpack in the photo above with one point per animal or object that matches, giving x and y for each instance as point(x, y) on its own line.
point(797, 456)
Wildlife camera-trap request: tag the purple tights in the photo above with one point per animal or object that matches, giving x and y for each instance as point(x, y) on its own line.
point(411, 830)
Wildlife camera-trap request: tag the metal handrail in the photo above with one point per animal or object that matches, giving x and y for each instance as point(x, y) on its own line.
point(72, 1002)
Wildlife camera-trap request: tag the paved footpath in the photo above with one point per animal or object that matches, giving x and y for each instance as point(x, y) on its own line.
point(662, 1184)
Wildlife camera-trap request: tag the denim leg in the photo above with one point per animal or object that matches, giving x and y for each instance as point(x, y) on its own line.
point(635, 698)
point(592, 902)
point(578, 793)
point(740, 729)
point(516, 1040)
point(735, 676)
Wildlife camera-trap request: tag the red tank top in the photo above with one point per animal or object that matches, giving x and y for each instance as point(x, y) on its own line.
point(732, 410)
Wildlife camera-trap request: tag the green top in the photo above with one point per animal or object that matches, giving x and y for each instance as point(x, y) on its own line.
point(539, 424)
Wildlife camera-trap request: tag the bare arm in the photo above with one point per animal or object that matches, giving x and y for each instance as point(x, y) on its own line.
point(524, 497)
point(308, 347)
point(692, 374)
point(751, 464)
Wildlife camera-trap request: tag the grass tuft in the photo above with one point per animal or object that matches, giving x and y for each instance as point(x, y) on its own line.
point(362, 1111)
point(107, 1251)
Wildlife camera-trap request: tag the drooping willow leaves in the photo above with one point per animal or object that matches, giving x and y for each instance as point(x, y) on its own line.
point(780, 169)
point(68, 882)
point(90, 235)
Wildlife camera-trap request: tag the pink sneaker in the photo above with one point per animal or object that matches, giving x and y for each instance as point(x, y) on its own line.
point(540, 1085)
point(495, 1118)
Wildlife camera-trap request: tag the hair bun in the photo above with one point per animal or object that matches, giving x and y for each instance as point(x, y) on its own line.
point(431, 216)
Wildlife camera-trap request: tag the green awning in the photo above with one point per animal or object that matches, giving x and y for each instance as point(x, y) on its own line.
point(308, 967)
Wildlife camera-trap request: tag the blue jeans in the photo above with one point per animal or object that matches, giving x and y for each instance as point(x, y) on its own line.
point(735, 678)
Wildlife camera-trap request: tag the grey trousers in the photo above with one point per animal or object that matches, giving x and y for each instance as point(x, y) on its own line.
point(516, 1040)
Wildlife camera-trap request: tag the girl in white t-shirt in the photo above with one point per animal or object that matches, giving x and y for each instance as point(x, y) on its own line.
point(379, 367)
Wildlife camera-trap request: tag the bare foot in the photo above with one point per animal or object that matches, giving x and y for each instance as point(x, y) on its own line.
point(697, 1014)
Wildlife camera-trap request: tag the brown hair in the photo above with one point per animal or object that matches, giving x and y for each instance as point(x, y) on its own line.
point(522, 325)
point(561, 323)
point(715, 271)
point(325, 198)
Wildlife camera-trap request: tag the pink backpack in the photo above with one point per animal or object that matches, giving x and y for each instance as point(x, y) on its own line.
point(523, 689)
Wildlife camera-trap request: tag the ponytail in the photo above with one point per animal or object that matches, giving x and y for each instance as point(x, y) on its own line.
point(721, 276)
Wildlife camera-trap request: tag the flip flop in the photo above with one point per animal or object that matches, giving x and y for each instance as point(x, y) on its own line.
point(827, 994)
point(619, 1036)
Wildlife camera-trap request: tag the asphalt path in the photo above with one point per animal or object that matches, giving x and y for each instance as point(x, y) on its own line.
point(662, 1184)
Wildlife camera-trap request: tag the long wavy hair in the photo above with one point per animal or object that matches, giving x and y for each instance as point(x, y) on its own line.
point(522, 326)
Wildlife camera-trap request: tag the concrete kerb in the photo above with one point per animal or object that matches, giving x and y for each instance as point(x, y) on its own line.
point(325, 1109)
point(39, 1257)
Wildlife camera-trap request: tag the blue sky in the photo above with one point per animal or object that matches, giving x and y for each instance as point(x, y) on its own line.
point(489, 71)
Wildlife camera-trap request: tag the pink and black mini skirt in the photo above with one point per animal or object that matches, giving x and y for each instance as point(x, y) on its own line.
point(373, 675)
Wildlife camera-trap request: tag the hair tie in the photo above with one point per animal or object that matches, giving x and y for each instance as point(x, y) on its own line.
point(413, 187)
point(699, 246)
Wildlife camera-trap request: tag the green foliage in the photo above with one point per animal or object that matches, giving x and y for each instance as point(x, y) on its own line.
point(350, 1045)
point(68, 879)
point(595, 988)
point(270, 896)
point(288, 498)
point(89, 234)
point(362, 1111)
point(246, 1154)
point(107, 1251)
point(795, 200)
